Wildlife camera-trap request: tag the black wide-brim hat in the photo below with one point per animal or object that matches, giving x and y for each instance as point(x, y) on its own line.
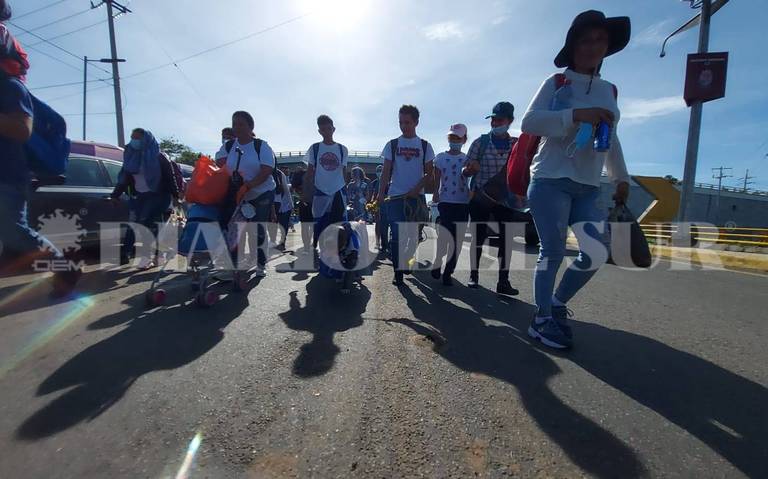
point(618, 28)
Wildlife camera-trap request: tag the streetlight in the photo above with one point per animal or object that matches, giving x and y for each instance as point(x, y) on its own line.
point(85, 83)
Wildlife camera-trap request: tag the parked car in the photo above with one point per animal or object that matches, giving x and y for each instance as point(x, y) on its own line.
point(77, 203)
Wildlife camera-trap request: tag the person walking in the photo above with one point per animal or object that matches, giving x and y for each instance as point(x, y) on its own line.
point(147, 177)
point(408, 163)
point(565, 172)
point(487, 159)
point(452, 198)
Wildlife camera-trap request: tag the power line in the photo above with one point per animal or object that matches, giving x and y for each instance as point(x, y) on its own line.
point(79, 57)
point(38, 9)
point(55, 21)
point(217, 47)
point(56, 37)
point(77, 94)
point(746, 181)
point(59, 85)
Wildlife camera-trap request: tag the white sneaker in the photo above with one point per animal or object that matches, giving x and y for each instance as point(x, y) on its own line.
point(260, 272)
point(145, 264)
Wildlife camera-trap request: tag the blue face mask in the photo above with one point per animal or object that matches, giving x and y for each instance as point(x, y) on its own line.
point(583, 138)
point(136, 144)
point(500, 130)
point(455, 146)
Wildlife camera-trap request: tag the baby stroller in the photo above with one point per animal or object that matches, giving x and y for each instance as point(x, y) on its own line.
point(340, 253)
point(202, 225)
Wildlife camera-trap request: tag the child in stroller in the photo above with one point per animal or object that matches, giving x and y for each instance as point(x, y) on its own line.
point(341, 248)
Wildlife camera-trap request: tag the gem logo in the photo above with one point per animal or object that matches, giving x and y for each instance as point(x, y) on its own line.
point(64, 231)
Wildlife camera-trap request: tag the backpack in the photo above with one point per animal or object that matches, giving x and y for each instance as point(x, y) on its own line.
point(521, 156)
point(256, 144)
point(48, 148)
point(494, 191)
point(316, 151)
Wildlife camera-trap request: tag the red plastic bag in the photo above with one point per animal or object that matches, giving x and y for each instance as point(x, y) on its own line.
point(209, 183)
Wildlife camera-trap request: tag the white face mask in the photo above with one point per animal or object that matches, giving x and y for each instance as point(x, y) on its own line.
point(500, 130)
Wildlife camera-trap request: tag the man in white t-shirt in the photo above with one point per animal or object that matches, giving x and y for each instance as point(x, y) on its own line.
point(254, 160)
point(325, 178)
point(407, 170)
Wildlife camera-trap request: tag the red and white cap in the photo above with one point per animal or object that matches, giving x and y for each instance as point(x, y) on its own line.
point(459, 129)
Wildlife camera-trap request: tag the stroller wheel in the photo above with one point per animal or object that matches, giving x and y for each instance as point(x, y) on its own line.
point(156, 297)
point(206, 299)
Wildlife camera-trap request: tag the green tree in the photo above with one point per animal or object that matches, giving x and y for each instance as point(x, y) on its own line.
point(178, 151)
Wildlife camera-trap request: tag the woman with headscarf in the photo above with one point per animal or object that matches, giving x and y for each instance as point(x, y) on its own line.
point(565, 173)
point(147, 177)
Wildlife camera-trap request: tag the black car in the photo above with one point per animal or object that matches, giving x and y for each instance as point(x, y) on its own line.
point(70, 211)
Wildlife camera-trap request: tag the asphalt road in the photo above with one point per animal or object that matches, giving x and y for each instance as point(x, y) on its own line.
point(291, 379)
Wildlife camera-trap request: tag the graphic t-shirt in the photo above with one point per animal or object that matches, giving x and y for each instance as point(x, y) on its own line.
point(408, 164)
point(250, 164)
point(454, 187)
point(329, 168)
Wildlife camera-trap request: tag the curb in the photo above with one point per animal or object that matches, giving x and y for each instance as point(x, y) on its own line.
point(727, 259)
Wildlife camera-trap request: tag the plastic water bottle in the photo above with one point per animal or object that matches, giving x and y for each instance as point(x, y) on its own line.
point(602, 137)
point(563, 98)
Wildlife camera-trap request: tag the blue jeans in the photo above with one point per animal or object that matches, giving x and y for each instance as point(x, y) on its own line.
point(405, 233)
point(16, 236)
point(149, 209)
point(555, 205)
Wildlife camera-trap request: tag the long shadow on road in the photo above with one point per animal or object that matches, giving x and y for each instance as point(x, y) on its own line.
point(324, 314)
point(722, 409)
point(502, 352)
point(100, 375)
point(726, 411)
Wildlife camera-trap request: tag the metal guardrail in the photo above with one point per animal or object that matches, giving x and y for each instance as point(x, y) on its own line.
point(730, 189)
point(352, 154)
point(710, 234)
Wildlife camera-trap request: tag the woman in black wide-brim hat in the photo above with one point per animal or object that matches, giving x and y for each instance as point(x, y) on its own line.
point(566, 170)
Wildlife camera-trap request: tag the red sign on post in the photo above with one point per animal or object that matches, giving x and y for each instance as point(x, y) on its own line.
point(705, 77)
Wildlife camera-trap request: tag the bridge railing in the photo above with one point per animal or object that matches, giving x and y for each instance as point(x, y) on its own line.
point(663, 233)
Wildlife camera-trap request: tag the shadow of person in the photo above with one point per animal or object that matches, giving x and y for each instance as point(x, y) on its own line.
point(99, 376)
point(504, 353)
point(722, 409)
point(325, 313)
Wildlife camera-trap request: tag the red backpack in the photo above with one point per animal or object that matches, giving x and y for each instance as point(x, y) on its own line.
point(521, 156)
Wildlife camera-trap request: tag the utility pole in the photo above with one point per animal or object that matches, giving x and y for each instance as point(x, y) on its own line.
point(746, 180)
point(113, 5)
point(85, 85)
point(719, 177)
point(694, 127)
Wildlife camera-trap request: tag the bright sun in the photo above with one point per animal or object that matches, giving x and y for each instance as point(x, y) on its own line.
point(337, 14)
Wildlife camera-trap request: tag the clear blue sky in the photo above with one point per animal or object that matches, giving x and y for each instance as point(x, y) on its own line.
point(358, 60)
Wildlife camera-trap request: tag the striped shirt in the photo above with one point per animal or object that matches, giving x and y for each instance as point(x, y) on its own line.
point(493, 161)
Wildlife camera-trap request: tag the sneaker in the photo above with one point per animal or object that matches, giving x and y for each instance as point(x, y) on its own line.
point(260, 271)
point(447, 280)
point(473, 280)
point(503, 287)
point(549, 332)
point(436, 273)
point(145, 264)
point(398, 281)
point(561, 315)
